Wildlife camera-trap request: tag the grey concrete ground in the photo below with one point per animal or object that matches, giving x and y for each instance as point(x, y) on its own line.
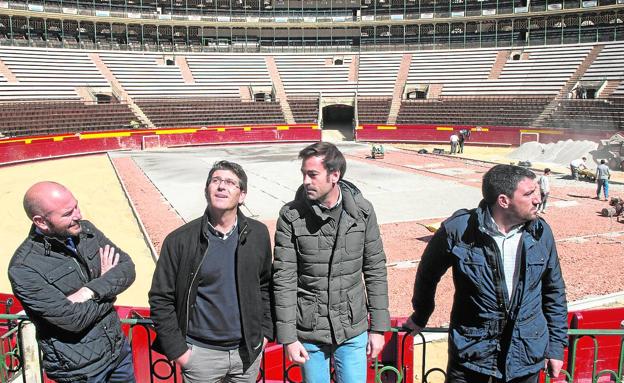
point(274, 176)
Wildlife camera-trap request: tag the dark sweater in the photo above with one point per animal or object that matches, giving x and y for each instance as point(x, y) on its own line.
point(215, 316)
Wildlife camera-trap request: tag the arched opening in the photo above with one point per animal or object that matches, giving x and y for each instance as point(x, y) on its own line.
point(339, 117)
point(416, 95)
point(103, 98)
point(262, 97)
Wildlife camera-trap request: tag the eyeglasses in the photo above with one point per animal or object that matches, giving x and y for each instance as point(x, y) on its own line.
point(229, 183)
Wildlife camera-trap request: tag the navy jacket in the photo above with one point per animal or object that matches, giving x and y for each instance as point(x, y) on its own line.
point(490, 333)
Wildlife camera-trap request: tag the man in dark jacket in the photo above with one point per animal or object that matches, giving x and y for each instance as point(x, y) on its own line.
point(509, 312)
point(210, 298)
point(329, 273)
point(67, 275)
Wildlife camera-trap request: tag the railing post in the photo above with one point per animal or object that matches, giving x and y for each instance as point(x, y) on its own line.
point(29, 351)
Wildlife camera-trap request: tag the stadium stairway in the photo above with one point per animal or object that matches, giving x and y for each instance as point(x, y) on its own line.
point(399, 86)
point(119, 91)
point(609, 88)
point(187, 75)
point(354, 69)
point(6, 72)
point(550, 109)
point(499, 64)
point(279, 89)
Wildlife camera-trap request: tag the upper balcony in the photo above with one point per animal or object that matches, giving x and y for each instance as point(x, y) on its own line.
point(284, 13)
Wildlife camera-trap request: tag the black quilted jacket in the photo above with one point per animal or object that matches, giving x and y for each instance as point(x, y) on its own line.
point(77, 339)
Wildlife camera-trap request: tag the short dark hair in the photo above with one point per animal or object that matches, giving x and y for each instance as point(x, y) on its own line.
point(546, 170)
point(234, 168)
point(602, 162)
point(333, 160)
point(503, 179)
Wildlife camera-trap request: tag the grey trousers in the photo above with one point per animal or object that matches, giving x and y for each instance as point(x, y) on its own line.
point(214, 366)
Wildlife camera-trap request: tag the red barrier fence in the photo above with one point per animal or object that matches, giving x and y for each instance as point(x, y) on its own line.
point(43, 147)
point(479, 135)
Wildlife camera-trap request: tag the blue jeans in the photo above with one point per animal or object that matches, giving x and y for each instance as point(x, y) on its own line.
point(603, 184)
point(120, 372)
point(349, 361)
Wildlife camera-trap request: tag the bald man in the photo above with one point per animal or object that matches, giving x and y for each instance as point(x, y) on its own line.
point(67, 275)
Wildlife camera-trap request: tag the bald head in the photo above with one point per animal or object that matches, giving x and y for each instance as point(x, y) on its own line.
point(38, 197)
point(53, 209)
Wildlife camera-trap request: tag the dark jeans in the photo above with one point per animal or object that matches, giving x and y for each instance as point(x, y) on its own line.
point(455, 373)
point(120, 372)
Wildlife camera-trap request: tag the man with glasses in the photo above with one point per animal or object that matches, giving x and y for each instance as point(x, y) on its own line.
point(210, 298)
point(329, 274)
point(67, 275)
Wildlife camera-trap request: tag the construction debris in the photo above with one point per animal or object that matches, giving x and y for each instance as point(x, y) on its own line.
point(616, 206)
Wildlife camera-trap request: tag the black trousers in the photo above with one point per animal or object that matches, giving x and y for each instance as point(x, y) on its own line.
point(455, 373)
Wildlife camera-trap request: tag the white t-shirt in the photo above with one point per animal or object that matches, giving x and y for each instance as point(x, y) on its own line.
point(454, 138)
point(577, 163)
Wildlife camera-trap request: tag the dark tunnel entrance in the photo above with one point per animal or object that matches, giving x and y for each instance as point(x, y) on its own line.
point(339, 117)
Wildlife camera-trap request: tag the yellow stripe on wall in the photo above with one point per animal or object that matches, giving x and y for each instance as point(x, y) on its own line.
point(543, 131)
point(89, 136)
point(443, 128)
point(283, 127)
point(247, 128)
point(386, 127)
point(175, 131)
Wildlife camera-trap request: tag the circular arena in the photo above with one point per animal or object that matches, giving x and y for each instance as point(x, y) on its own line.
point(129, 103)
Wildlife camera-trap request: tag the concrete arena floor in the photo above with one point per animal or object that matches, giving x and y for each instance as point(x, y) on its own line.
point(274, 176)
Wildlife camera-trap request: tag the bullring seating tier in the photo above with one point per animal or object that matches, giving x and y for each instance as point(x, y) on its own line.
point(541, 72)
point(304, 109)
point(373, 110)
point(47, 73)
point(146, 75)
point(179, 112)
point(54, 73)
point(312, 74)
point(377, 74)
point(41, 118)
point(465, 72)
point(609, 65)
point(501, 111)
point(594, 114)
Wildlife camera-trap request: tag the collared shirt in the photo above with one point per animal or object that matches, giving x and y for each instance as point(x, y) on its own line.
point(334, 205)
point(508, 246)
point(219, 234)
point(335, 211)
